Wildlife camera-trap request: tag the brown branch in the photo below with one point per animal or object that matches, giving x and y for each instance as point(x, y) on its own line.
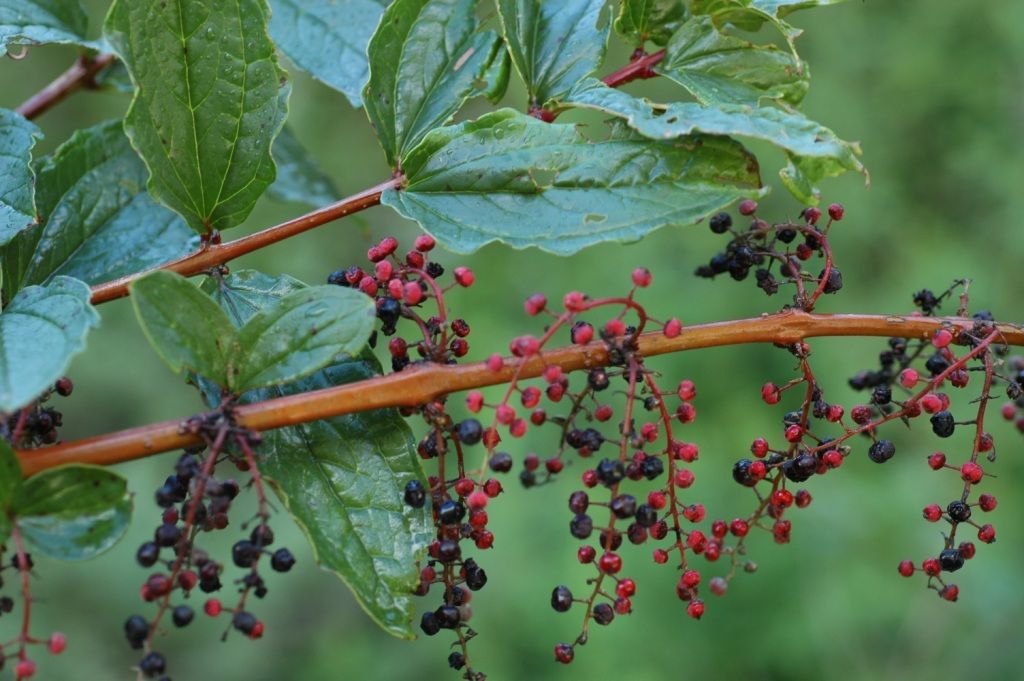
point(419, 385)
point(81, 74)
point(212, 255)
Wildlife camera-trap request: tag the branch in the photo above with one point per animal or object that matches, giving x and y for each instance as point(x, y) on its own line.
point(81, 74)
point(635, 70)
point(421, 384)
point(212, 255)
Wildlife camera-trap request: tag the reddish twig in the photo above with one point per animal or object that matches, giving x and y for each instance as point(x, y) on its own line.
point(214, 255)
point(81, 74)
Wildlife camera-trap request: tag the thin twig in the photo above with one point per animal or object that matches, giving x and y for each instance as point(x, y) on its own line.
point(81, 74)
point(214, 255)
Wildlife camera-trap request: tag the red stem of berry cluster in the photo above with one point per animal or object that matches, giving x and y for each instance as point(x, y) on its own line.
point(421, 384)
point(184, 551)
point(22, 562)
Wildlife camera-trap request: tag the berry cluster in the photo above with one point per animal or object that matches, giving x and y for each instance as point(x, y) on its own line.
point(768, 249)
point(194, 501)
point(36, 424)
point(401, 287)
point(17, 650)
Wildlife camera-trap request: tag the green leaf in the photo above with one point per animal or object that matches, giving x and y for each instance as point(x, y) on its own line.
point(719, 69)
point(41, 329)
point(185, 327)
point(426, 58)
point(342, 479)
point(653, 20)
point(328, 39)
point(301, 333)
point(799, 136)
point(508, 177)
point(209, 100)
point(17, 200)
point(751, 15)
point(10, 482)
point(299, 178)
point(98, 221)
point(498, 75)
point(73, 512)
point(36, 22)
point(553, 44)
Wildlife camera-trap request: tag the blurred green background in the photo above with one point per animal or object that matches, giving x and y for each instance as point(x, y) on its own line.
point(934, 91)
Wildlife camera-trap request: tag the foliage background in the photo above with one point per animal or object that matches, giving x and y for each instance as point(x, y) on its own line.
point(933, 91)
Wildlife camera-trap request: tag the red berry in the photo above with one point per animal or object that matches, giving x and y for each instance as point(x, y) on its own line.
point(987, 534)
point(782, 498)
point(474, 401)
point(212, 607)
point(257, 631)
point(25, 669)
point(690, 579)
point(931, 567)
point(986, 502)
point(388, 245)
point(748, 207)
point(564, 653)
point(57, 643)
point(695, 608)
point(415, 260)
point(495, 362)
point(932, 513)
point(971, 472)
point(759, 447)
point(1009, 411)
point(686, 412)
point(684, 478)
point(931, 403)
point(625, 588)
point(535, 304)
point(673, 328)
point(696, 541)
point(936, 460)
point(657, 500)
point(739, 527)
point(660, 556)
point(950, 592)
point(424, 243)
point(770, 393)
point(836, 211)
point(718, 586)
point(615, 327)
point(464, 276)
point(687, 390)
point(906, 568)
point(832, 458)
point(942, 338)
point(834, 413)
point(524, 346)
point(610, 563)
point(803, 498)
point(967, 550)
point(642, 277)
point(794, 433)
point(383, 270)
point(909, 378)
point(812, 214)
point(586, 554)
point(412, 294)
point(574, 301)
point(477, 499)
point(581, 333)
